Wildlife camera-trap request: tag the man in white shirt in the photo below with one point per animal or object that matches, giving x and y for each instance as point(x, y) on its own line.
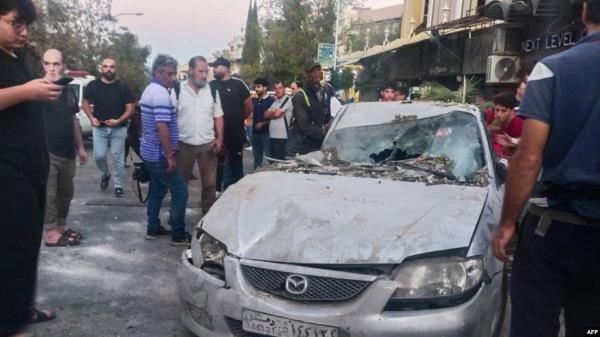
point(201, 126)
point(279, 114)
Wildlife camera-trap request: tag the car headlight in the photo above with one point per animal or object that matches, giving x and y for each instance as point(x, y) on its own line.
point(436, 282)
point(209, 254)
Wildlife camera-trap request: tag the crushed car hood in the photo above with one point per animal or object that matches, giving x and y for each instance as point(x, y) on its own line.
point(320, 219)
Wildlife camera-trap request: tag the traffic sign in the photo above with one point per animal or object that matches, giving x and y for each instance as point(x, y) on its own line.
point(326, 55)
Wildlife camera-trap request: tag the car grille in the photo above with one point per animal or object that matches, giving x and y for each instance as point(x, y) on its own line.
point(319, 289)
point(237, 330)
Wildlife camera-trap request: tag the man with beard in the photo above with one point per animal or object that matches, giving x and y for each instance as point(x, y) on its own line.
point(237, 106)
point(261, 144)
point(113, 105)
point(201, 127)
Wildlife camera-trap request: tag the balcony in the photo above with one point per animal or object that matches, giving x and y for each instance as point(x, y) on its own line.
point(518, 10)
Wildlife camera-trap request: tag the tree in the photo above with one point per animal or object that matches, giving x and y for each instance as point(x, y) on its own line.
point(83, 31)
point(251, 54)
point(293, 30)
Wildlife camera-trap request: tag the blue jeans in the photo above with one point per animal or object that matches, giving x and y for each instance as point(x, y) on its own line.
point(105, 137)
point(261, 146)
point(160, 182)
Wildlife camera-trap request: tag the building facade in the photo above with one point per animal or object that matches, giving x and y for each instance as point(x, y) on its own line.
point(485, 42)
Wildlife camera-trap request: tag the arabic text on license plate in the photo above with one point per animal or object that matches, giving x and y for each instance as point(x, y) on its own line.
point(264, 324)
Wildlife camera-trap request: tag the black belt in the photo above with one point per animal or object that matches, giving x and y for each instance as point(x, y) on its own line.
point(547, 215)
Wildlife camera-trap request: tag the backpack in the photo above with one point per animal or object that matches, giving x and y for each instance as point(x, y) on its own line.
point(177, 88)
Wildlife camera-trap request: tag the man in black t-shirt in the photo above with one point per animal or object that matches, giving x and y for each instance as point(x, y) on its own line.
point(23, 169)
point(63, 133)
point(237, 106)
point(112, 106)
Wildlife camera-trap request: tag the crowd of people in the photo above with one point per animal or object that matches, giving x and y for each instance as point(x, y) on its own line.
point(180, 125)
point(201, 123)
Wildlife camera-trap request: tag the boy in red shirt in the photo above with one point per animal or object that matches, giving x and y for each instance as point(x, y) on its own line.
point(505, 111)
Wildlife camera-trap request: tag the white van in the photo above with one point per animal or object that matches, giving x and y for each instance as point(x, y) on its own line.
point(80, 81)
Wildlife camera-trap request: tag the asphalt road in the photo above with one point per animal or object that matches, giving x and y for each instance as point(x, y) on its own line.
point(116, 283)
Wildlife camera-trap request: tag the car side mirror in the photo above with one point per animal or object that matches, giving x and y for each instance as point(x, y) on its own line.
point(501, 169)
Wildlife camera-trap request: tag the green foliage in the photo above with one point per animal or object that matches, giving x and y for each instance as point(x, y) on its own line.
point(84, 31)
point(342, 79)
point(293, 30)
point(439, 92)
point(251, 54)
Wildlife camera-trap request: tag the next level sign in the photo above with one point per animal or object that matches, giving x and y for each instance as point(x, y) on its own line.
point(554, 41)
point(326, 54)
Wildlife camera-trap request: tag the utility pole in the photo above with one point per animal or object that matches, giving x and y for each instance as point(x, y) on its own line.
point(337, 27)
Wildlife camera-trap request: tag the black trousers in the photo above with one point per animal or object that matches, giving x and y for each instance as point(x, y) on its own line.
point(231, 169)
point(560, 271)
point(21, 223)
point(278, 148)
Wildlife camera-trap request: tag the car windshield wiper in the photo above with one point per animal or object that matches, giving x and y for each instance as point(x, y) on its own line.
point(441, 174)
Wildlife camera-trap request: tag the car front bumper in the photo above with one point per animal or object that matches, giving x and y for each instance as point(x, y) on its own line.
point(211, 307)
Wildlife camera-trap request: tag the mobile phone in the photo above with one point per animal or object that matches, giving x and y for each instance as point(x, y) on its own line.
point(63, 81)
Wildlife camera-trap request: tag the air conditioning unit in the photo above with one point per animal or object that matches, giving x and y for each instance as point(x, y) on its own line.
point(502, 69)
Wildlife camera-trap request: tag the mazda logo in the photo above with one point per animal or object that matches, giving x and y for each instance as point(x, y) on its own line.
point(296, 284)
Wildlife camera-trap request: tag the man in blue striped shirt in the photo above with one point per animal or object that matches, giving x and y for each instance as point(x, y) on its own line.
point(159, 144)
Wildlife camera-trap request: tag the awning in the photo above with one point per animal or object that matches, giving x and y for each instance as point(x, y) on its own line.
point(456, 24)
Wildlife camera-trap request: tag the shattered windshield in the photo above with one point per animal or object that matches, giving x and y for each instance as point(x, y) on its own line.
point(448, 146)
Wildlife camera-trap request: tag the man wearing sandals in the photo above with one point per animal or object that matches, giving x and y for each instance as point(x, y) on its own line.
point(63, 134)
point(23, 170)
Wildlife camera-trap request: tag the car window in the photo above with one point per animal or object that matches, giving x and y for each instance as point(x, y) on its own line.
point(453, 136)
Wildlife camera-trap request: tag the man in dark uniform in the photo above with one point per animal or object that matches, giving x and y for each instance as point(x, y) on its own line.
point(556, 261)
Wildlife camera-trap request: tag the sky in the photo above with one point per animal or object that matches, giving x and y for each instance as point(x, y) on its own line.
point(185, 28)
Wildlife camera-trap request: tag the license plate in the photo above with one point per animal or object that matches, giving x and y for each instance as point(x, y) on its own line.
point(270, 325)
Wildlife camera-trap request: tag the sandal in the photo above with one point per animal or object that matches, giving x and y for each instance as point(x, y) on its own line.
point(39, 316)
point(64, 241)
point(73, 234)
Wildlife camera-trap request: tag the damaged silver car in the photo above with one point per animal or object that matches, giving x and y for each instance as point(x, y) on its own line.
point(385, 232)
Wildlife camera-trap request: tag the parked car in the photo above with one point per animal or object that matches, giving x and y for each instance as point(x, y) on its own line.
point(384, 232)
point(79, 83)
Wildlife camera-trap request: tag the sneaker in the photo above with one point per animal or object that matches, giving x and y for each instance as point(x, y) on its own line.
point(119, 192)
point(153, 235)
point(104, 182)
point(181, 241)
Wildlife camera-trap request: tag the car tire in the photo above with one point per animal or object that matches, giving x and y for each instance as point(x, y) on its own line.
point(503, 304)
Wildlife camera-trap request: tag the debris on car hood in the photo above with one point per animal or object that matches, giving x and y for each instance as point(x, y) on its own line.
point(431, 170)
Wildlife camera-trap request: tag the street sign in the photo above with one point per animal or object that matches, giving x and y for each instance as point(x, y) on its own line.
point(326, 55)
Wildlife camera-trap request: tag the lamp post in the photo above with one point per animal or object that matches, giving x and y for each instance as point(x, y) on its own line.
point(124, 14)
